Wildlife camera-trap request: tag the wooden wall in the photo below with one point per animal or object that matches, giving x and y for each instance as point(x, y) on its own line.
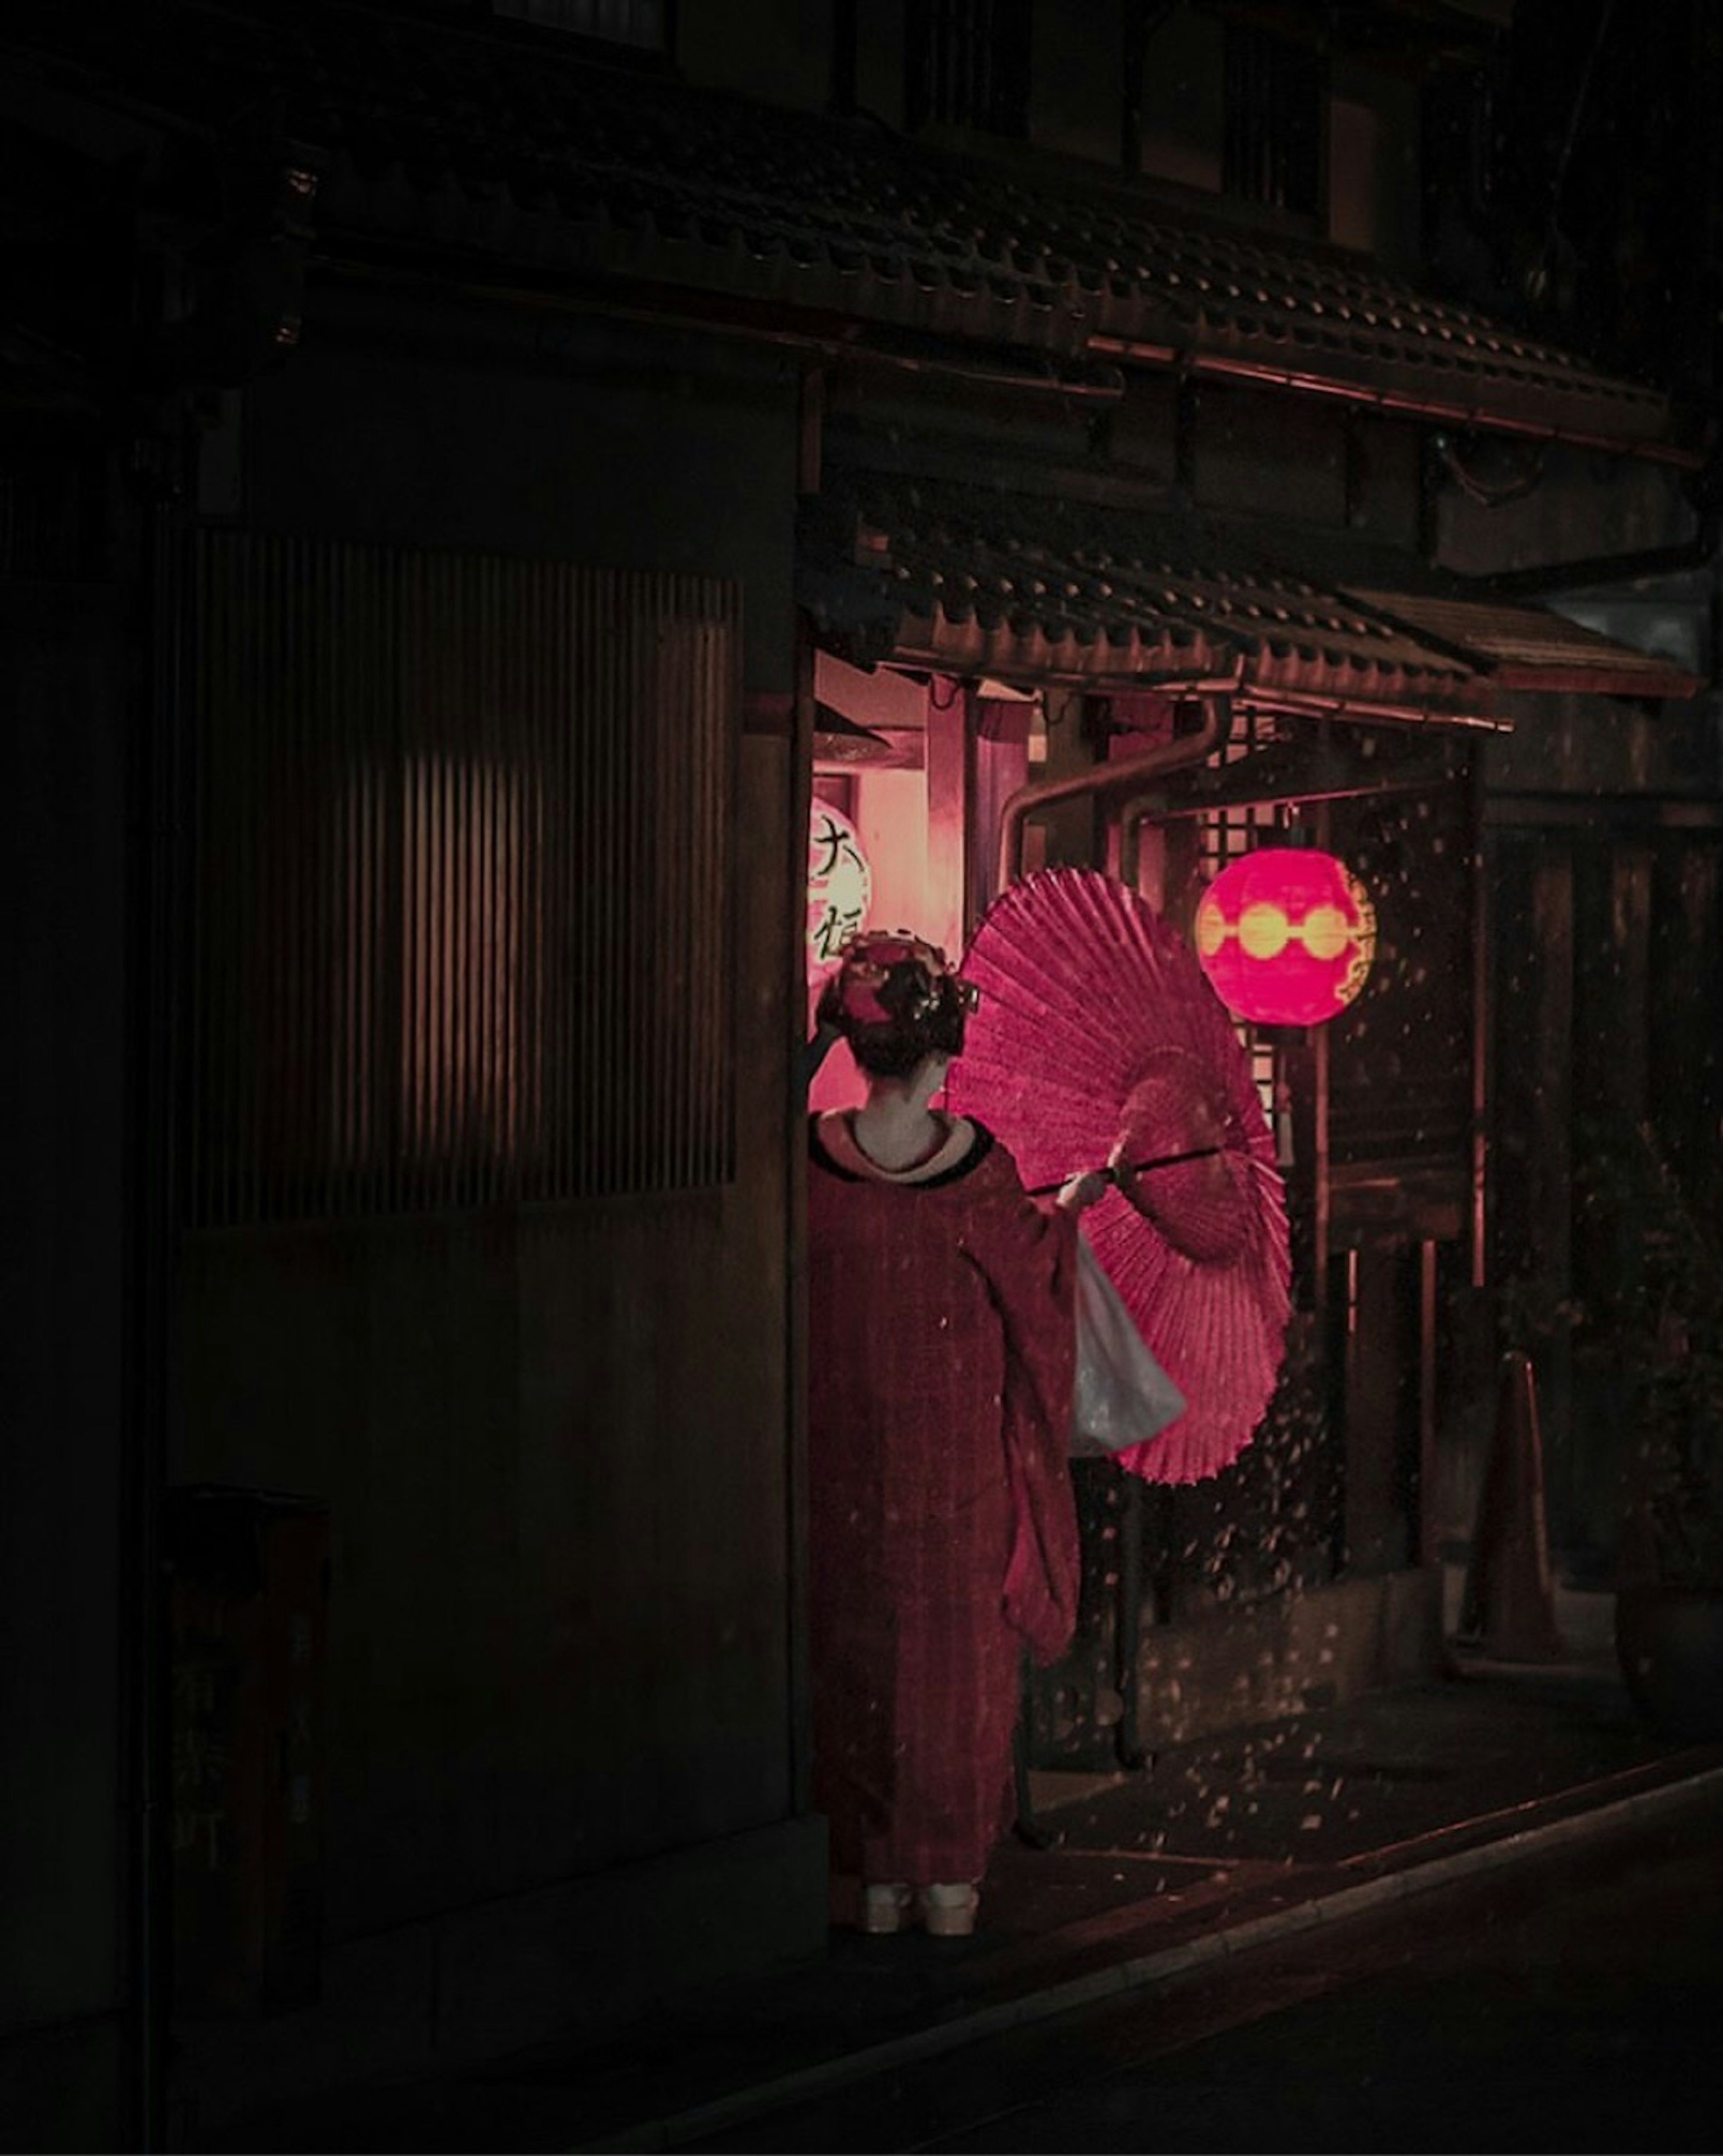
point(1608, 981)
point(554, 1439)
point(64, 1396)
point(553, 1443)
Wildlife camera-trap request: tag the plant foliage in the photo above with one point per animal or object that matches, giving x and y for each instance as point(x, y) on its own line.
point(1651, 1323)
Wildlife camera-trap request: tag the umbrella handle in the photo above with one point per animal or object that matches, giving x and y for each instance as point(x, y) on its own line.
point(1133, 1168)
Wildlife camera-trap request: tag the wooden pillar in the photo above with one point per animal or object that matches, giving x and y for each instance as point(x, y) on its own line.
point(1380, 1384)
point(809, 458)
point(1630, 922)
point(1548, 1111)
point(1544, 1119)
point(951, 789)
point(1686, 997)
point(1427, 1543)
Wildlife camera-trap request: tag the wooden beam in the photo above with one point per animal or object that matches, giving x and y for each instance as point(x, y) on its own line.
point(950, 788)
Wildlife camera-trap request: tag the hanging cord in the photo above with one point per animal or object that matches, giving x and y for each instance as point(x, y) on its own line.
point(1481, 491)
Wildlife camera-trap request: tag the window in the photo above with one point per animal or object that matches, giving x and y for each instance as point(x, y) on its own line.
point(1274, 92)
point(459, 921)
point(445, 855)
point(966, 64)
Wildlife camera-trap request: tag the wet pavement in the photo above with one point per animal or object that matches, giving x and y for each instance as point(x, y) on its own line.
point(1569, 2001)
point(1213, 1849)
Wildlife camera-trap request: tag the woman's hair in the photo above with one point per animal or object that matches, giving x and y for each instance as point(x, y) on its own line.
point(896, 1001)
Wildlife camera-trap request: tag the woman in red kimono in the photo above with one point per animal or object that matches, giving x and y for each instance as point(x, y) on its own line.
point(944, 1536)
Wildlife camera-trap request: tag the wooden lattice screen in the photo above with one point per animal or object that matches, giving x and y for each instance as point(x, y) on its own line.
point(1400, 1082)
point(459, 843)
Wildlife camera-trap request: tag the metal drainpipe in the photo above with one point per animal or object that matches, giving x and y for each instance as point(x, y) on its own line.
point(1133, 814)
point(1127, 776)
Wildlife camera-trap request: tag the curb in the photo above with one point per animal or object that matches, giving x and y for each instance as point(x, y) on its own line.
point(1144, 1972)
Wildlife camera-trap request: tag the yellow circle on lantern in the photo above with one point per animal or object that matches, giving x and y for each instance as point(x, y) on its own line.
point(1211, 928)
point(1327, 931)
point(1264, 930)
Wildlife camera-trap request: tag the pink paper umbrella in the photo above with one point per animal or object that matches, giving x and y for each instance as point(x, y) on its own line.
point(1099, 1042)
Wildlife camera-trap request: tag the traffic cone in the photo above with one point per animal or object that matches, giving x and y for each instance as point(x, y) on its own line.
point(1508, 1610)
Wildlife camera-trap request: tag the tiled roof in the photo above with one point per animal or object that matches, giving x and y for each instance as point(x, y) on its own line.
point(1516, 645)
point(974, 579)
point(1526, 647)
point(485, 143)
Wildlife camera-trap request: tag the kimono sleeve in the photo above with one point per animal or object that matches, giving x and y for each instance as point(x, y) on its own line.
point(1028, 1255)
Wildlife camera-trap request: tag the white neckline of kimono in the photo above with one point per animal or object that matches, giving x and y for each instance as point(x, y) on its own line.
point(840, 1141)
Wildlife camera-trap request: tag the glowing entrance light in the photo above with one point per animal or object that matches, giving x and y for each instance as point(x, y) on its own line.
point(840, 886)
point(1286, 936)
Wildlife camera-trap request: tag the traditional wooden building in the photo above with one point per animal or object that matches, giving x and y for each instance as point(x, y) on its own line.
point(475, 477)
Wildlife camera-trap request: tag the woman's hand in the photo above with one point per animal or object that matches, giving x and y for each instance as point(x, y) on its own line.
point(1082, 1191)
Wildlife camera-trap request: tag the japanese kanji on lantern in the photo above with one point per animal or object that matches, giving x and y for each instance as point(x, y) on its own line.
point(1286, 936)
point(840, 886)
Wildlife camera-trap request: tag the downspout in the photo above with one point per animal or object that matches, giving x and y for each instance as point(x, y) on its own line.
point(1127, 778)
point(1154, 807)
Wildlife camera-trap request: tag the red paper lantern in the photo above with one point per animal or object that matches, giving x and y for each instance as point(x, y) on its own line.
point(1286, 936)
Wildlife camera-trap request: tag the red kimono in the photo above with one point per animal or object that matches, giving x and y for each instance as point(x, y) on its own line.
point(944, 1535)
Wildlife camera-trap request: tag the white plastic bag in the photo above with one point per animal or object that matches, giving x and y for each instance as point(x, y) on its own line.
point(1122, 1396)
